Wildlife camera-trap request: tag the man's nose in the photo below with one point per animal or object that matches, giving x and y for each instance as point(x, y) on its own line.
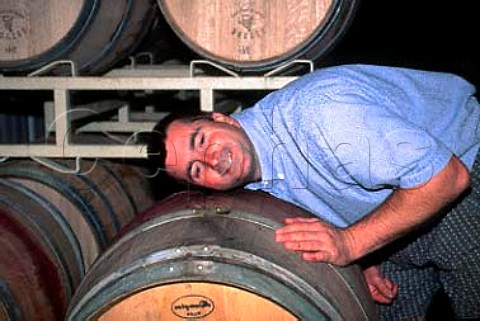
point(212, 155)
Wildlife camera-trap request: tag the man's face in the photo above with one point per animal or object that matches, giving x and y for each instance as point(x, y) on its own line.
point(213, 153)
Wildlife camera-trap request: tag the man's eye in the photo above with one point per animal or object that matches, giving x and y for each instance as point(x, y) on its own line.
point(201, 140)
point(196, 171)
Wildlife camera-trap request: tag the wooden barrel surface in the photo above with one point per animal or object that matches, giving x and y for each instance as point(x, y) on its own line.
point(213, 257)
point(97, 202)
point(40, 263)
point(54, 225)
point(94, 34)
point(253, 36)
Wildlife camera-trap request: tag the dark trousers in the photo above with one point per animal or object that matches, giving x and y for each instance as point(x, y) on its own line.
point(445, 255)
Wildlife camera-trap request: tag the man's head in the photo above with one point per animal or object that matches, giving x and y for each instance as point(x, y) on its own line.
point(206, 149)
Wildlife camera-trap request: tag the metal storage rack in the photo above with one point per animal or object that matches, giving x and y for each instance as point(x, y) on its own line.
point(133, 77)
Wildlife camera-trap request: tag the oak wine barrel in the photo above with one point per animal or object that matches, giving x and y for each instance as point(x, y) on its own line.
point(255, 36)
point(213, 257)
point(97, 201)
point(54, 225)
point(94, 34)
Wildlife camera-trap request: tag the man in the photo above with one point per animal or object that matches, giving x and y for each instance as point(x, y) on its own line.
point(381, 155)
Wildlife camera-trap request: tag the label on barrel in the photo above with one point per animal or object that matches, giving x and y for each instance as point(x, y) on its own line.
point(249, 24)
point(192, 306)
point(12, 28)
point(12, 25)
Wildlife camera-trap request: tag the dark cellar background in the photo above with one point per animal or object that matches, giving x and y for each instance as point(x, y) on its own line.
point(432, 35)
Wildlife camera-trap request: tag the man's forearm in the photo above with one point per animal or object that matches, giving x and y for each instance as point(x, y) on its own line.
point(406, 209)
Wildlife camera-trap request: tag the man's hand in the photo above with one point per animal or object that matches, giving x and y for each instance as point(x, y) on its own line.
point(383, 290)
point(316, 239)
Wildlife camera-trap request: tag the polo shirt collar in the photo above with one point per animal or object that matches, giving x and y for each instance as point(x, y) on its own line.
point(264, 142)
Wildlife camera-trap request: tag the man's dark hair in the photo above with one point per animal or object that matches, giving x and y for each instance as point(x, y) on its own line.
point(156, 150)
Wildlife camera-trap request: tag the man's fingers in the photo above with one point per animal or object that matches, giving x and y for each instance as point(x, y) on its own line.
point(379, 297)
point(317, 240)
point(297, 236)
point(303, 246)
point(319, 256)
point(383, 290)
point(387, 288)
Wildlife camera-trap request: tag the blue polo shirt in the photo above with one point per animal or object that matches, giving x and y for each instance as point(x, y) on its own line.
point(339, 140)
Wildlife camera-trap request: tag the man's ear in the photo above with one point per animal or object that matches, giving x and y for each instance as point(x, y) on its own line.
point(222, 118)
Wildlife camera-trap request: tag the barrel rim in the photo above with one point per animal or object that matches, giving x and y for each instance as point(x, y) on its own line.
point(137, 274)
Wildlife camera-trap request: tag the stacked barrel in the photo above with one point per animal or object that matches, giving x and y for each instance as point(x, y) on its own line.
point(95, 35)
point(257, 36)
point(247, 36)
point(95, 245)
point(54, 225)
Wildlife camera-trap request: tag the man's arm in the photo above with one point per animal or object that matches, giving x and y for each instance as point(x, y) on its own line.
point(406, 209)
point(402, 212)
